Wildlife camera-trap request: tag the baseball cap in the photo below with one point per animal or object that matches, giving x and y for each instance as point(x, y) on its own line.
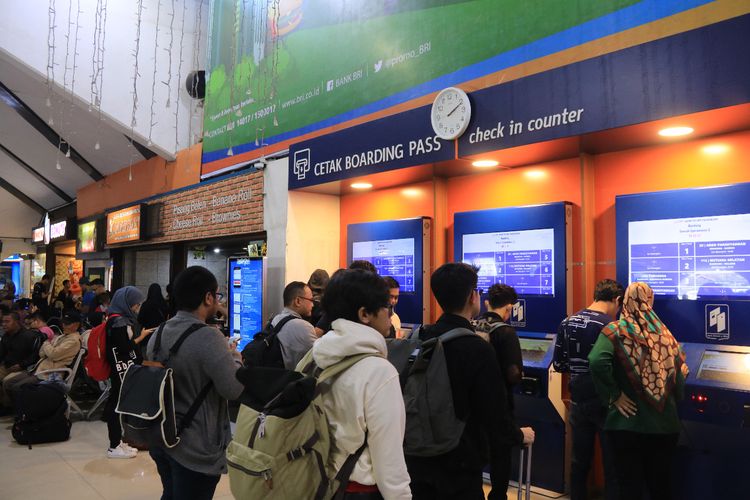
point(71, 316)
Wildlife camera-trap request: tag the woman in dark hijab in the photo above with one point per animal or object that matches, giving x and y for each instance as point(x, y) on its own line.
point(122, 351)
point(155, 310)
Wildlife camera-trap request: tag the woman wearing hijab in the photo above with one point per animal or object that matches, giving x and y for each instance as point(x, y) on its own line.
point(639, 370)
point(155, 310)
point(122, 351)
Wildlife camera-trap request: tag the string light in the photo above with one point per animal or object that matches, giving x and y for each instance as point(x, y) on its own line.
point(136, 74)
point(51, 17)
point(153, 79)
point(179, 78)
point(169, 49)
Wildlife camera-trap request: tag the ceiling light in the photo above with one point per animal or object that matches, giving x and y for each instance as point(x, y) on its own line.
point(361, 185)
point(675, 131)
point(411, 192)
point(217, 250)
point(485, 163)
point(715, 149)
point(535, 174)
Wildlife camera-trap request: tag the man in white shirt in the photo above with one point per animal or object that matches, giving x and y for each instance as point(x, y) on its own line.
point(394, 290)
point(296, 336)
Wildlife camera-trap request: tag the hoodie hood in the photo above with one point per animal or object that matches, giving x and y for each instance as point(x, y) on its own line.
point(122, 301)
point(347, 338)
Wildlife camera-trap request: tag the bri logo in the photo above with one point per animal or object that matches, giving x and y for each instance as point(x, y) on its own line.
point(302, 163)
point(717, 321)
point(518, 315)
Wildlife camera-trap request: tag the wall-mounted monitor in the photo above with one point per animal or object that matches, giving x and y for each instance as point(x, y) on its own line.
point(522, 259)
point(526, 248)
point(393, 258)
point(245, 300)
point(692, 246)
point(400, 249)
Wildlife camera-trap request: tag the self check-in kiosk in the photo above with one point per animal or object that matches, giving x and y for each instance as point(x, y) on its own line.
point(529, 248)
point(400, 249)
point(693, 248)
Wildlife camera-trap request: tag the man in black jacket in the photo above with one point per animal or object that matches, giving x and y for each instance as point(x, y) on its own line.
point(18, 350)
point(479, 398)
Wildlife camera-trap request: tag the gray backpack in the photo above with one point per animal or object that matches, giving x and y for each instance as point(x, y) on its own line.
point(432, 427)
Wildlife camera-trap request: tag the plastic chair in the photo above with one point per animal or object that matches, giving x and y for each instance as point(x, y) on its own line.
point(68, 376)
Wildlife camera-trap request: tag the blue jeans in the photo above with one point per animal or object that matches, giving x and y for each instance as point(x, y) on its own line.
point(181, 483)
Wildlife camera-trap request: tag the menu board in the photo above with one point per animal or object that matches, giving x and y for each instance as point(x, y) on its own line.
point(393, 258)
point(722, 366)
point(534, 350)
point(87, 237)
point(245, 299)
point(692, 258)
point(124, 225)
point(521, 259)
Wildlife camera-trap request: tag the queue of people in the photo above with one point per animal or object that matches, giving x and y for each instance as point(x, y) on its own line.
point(625, 377)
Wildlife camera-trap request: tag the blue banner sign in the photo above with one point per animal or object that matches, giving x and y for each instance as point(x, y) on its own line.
point(702, 69)
point(390, 143)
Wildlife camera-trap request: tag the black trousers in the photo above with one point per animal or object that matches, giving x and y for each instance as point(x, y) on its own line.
point(586, 421)
point(114, 430)
point(441, 482)
point(500, 470)
point(181, 483)
point(644, 463)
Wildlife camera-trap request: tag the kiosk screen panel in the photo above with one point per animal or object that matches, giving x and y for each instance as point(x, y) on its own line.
point(521, 259)
point(534, 350)
point(722, 366)
point(393, 258)
point(245, 299)
point(692, 258)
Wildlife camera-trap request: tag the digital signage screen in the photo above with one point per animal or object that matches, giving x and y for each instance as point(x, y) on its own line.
point(522, 259)
point(245, 298)
point(722, 366)
point(692, 258)
point(87, 235)
point(124, 226)
point(393, 258)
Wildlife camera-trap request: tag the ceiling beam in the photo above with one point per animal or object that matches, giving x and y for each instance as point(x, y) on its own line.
point(45, 130)
point(59, 192)
point(143, 150)
point(18, 194)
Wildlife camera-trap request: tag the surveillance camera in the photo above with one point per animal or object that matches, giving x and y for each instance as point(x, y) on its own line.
point(259, 165)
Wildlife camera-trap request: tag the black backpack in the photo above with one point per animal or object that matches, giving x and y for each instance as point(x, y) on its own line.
point(146, 400)
point(41, 414)
point(265, 350)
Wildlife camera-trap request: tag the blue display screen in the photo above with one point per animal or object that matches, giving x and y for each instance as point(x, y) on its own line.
point(521, 259)
point(245, 298)
point(692, 258)
point(393, 258)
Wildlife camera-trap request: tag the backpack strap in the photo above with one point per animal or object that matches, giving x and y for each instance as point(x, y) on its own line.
point(277, 329)
point(343, 475)
point(337, 368)
point(188, 418)
point(455, 333)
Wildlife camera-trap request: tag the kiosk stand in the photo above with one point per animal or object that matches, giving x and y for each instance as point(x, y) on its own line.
point(529, 249)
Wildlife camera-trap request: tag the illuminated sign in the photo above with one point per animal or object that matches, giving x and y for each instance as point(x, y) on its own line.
point(87, 237)
point(37, 235)
point(58, 230)
point(124, 225)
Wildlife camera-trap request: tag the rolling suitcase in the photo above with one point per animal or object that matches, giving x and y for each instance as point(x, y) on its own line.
point(524, 483)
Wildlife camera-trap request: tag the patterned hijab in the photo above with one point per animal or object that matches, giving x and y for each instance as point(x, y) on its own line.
point(645, 347)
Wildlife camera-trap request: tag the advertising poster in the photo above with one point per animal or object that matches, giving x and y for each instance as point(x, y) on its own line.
point(87, 237)
point(245, 302)
point(279, 69)
point(124, 225)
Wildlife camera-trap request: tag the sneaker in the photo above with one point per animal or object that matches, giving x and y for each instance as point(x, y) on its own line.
point(125, 445)
point(120, 452)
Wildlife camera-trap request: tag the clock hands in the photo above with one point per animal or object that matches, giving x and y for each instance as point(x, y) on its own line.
point(453, 110)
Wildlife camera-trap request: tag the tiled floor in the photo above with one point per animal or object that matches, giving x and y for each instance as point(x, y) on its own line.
point(78, 469)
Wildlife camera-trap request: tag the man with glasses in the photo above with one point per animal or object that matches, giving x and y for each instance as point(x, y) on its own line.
point(296, 336)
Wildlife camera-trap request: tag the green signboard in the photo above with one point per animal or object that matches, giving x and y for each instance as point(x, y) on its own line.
point(281, 68)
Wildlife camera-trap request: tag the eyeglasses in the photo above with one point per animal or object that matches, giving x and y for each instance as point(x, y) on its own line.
point(305, 298)
point(480, 291)
point(219, 296)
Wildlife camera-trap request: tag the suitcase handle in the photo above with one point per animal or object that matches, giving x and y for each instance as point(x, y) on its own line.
point(527, 484)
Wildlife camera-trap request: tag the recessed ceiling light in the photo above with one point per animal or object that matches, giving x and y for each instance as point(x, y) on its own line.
point(535, 174)
point(217, 250)
point(411, 192)
point(361, 185)
point(675, 131)
point(715, 149)
point(485, 163)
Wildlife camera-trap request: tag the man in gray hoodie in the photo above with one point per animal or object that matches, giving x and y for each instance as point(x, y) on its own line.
point(192, 468)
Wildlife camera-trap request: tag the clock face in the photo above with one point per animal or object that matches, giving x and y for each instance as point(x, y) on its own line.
point(451, 112)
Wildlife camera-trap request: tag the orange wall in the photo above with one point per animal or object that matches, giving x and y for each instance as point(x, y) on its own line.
point(659, 168)
point(149, 178)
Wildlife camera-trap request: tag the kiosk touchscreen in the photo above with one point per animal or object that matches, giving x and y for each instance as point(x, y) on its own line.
point(245, 301)
point(527, 248)
point(692, 246)
point(400, 249)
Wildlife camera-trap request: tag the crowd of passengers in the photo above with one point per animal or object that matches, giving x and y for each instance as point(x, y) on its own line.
point(625, 368)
